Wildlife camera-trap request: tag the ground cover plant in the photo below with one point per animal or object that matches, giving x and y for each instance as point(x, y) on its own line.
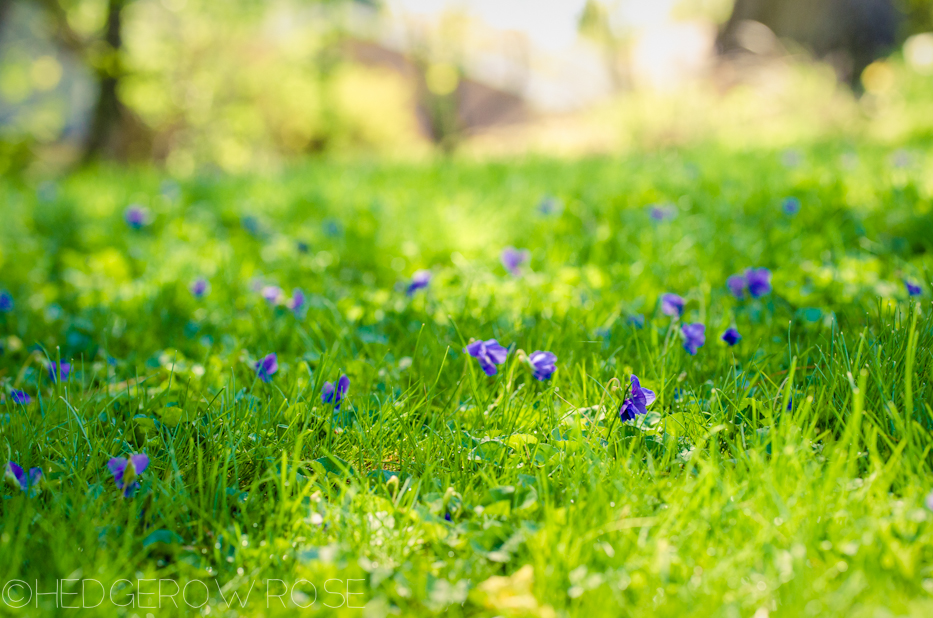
point(677, 383)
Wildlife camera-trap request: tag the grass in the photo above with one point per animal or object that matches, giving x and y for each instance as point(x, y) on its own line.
point(785, 476)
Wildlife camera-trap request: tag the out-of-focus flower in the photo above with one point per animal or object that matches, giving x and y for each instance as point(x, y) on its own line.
point(266, 367)
point(513, 259)
point(419, 281)
point(791, 158)
point(790, 206)
point(759, 281)
point(912, 288)
point(136, 216)
point(125, 471)
point(200, 288)
point(18, 477)
point(272, 293)
point(638, 401)
point(736, 285)
point(542, 364)
point(489, 354)
point(694, 337)
point(672, 305)
point(332, 228)
point(6, 302)
point(252, 225)
point(901, 158)
point(298, 303)
point(20, 397)
point(637, 320)
point(62, 372)
point(731, 336)
point(334, 393)
point(550, 205)
point(662, 212)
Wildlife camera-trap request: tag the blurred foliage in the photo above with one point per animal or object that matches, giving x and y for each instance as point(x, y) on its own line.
point(234, 85)
point(246, 85)
point(217, 89)
point(919, 15)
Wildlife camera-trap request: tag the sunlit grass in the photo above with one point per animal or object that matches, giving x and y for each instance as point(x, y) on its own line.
point(784, 476)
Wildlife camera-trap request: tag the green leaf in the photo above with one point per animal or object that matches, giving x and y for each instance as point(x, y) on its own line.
point(172, 416)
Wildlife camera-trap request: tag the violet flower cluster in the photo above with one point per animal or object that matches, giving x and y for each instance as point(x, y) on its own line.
point(19, 478)
point(125, 471)
point(489, 354)
point(59, 371)
point(638, 401)
point(136, 216)
point(694, 337)
point(200, 288)
point(757, 281)
point(513, 259)
point(335, 393)
point(266, 367)
point(298, 303)
point(419, 281)
point(543, 364)
point(672, 305)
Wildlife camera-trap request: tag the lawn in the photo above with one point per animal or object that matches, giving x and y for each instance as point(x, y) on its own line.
point(785, 475)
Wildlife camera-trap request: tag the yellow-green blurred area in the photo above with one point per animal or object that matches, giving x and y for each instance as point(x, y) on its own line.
point(243, 85)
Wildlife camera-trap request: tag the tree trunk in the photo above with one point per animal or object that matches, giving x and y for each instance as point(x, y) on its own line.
point(6, 7)
point(109, 113)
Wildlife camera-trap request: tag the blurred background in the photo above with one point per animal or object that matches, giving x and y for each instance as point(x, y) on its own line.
point(247, 85)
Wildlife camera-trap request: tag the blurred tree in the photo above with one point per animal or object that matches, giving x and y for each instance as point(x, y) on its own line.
point(918, 16)
point(113, 127)
point(596, 25)
point(436, 54)
point(113, 39)
point(849, 33)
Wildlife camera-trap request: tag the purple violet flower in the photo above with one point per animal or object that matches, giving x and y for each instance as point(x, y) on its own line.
point(694, 337)
point(125, 471)
point(272, 293)
point(731, 336)
point(20, 397)
point(912, 288)
point(759, 281)
point(638, 401)
point(542, 364)
point(6, 302)
point(736, 285)
point(672, 305)
point(790, 206)
point(334, 394)
point(489, 354)
point(636, 320)
point(16, 476)
point(136, 216)
point(63, 371)
point(419, 281)
point(200, 288)
point(513, 259)
point(297, 304)
point(267, 366)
